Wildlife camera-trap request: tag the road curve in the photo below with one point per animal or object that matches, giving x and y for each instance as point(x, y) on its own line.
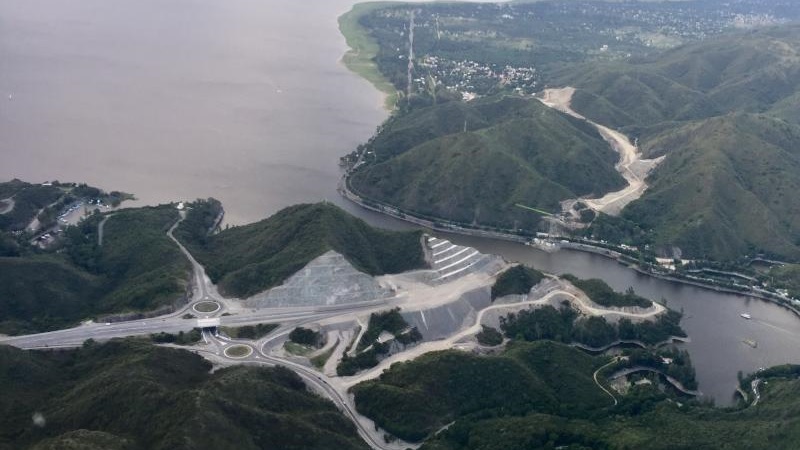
point(594, 375)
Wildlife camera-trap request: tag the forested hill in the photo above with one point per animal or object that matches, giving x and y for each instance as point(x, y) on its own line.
point(754, 71)
point(248, 259)
point(543, 395)
point(728, 188)
point(472, 162)
point(136, 269)
point(132, 395)
point(656, 71)
point(725, 112)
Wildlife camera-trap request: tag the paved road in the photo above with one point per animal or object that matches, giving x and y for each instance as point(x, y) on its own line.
point(594, 375)
point(174, 323)
point(101, 229)
point(334, 388)
point(325, 386)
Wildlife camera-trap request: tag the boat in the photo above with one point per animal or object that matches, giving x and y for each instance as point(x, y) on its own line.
point(750, 342)
point(546, 245)
point(746, 316)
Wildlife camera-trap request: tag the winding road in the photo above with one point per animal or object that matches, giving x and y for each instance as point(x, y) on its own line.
point(594, 376)
point(341, 315)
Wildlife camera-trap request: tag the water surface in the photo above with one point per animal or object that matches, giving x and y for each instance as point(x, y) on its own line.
point(246, 101)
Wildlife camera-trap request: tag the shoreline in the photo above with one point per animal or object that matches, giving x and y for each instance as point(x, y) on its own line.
point(362, 49)
point(461, 229)
point(359, 61)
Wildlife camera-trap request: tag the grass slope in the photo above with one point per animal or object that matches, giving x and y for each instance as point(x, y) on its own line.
point(249, 259)
point(129, 394)
point(514, 151)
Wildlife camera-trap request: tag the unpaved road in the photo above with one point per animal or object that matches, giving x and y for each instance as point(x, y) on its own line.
point(6, 205)
point(577, 298)
point(629, 156)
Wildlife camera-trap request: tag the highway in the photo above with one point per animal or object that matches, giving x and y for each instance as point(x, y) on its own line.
point(325, 386)
point(267, 350)
point(174, 323)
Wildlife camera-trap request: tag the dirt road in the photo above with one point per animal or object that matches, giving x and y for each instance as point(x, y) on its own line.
point(629, 156)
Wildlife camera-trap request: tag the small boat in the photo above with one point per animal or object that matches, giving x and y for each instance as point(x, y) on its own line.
point(750, 342)
point(746, 316)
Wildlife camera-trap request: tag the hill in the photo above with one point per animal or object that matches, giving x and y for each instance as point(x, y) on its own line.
point(138, 268)
point(514, 150)
point(726, 189)
point(132, 395)
point(248, 259)
point(516, 280)
point(542, 395)
point(754, 71)
point(725, 112)
point(416, 398)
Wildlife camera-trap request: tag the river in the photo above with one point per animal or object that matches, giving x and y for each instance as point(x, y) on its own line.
point(246, 101)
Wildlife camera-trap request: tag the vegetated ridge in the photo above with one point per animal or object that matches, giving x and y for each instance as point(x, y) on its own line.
point(516, 280)
point(724, 112)
point(133, 395)
point(138, 268)
point(248, 259)
point(542, 395)
point(474, 162)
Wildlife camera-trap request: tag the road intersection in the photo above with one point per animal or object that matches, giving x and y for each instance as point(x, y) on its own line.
point(413, 291)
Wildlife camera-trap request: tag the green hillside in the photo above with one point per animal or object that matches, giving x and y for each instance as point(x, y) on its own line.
point(41, 293)
point(132, 395)
point(753, 71)
point(785, 277)
point(413, 399)
point(248, 259)
point(138, 268)
point(542, 395)
point(516, 280)
point(727, 188)
point(515, 150)
point(725, 112)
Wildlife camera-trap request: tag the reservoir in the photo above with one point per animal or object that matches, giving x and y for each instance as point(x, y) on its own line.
point(242, 100)
point(246, 101)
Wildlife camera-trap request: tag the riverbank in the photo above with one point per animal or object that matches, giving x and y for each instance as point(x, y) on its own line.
point(444, 225)
point(359, 59)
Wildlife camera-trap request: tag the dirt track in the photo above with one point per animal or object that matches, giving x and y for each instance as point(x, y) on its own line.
point(629, 156)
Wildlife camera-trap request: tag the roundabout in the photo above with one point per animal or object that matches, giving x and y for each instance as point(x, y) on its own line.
point(238, 351)
point(206, 307)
